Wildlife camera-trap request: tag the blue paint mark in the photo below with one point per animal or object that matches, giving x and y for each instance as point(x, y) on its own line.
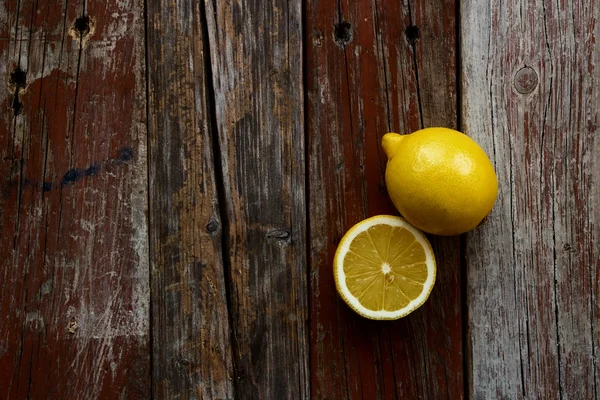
point(92, 170)
point(71, 176)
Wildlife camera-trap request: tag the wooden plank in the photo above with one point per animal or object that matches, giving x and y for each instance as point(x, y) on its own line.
point(530, 79)
point(256, 58)
point(190, 329)
point(73, 235)
point(374, 67)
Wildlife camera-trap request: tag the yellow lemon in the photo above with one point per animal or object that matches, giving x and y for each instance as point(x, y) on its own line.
point(384, 268)
point(440, 180)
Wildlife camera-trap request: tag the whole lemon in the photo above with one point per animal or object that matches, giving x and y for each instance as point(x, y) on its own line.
point(440, 180)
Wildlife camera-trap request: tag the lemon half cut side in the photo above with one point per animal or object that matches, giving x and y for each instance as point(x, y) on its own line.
point(384, 268)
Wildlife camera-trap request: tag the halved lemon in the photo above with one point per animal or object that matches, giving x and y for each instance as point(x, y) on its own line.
point(384, 268)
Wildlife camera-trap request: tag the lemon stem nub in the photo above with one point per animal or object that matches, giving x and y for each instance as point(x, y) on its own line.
point(390, 143)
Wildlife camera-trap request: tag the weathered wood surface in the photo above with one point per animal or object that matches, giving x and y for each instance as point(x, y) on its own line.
point(530, 96)
point(190, 326)
point(256, 58)
point(73, 235)
point(176, 175)
point(374, 67)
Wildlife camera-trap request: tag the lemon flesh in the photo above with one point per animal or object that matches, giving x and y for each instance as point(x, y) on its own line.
point(384, 268)
point(440, 180)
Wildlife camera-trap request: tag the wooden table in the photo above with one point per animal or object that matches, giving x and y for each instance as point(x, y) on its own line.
point(176, 175)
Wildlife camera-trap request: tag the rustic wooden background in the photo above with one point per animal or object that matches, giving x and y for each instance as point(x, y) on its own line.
point(176, 175)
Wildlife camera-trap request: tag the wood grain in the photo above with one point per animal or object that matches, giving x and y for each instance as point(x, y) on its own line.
point(530, 79)
point(73, 235)
point(190, 326)
point(239, 202)
point(256, 58)
point(374, 67)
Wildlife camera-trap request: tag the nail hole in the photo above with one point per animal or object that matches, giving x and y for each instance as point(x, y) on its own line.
point(343, 33)
point(18, 78)
point(126, 154)
point(412, 33)
point(82, 25)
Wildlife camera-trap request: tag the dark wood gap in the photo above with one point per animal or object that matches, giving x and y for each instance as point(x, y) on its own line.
point(219, 181)
point(307, 142)
point(151, 254)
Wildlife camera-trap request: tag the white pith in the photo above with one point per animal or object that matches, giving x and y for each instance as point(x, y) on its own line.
point(385, 268)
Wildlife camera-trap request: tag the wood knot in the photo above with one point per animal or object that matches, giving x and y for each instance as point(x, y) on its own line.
point(212, 227)
point(342, 33)
point(526, 80)
point(279, 235)
point(412, 34)
point(183, 362)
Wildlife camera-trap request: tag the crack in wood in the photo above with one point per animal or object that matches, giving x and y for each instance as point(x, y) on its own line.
point(412, 34)
point(219, 180)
